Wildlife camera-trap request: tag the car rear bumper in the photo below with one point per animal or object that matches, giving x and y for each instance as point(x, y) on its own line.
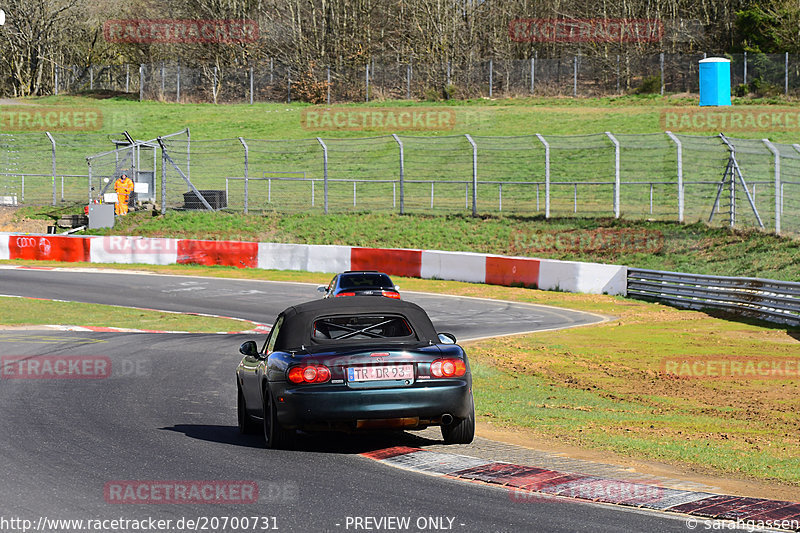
point(337, 406)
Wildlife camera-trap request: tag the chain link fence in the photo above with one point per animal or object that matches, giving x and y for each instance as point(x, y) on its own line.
point(402, 78)
point(658, 176)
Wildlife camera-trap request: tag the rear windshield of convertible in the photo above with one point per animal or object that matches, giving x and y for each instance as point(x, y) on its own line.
point(344, 328)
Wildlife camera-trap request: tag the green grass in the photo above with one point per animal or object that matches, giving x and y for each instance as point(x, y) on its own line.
point(26, 312)
point(604, 387)
point(695, 248)
point(518, 116)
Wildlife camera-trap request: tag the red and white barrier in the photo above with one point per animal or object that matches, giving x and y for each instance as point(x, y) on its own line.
point(546, 274)
point(125, 249)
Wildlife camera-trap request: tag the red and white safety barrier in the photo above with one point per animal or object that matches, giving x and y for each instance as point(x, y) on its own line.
point(546, 274)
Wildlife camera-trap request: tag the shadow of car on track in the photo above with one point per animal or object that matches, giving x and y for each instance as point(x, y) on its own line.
point(306, 442)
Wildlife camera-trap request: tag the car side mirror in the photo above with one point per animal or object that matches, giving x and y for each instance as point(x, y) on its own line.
point(249, 348)
point(322, 288)
point(447, 338)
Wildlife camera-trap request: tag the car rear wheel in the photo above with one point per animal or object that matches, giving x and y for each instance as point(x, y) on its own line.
point(276, 436)
point(247, 426)
point(462, 431)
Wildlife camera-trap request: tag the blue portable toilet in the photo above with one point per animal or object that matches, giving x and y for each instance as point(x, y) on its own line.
point(715, 81)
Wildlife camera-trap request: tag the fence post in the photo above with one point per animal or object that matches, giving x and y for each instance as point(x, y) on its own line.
point(89, 187)
point(246, 164)
point(474, 175)
point(324, 171)
point(546, 175)
point(53, 143)
point(786, 74)
point(328, 88)
point(574, 76)
point(679, 146)
point(617, 73)
point(533, 73)
point(491, 71)
point(214, 85)
point(127, 77)
point(164, 181)
point(616, 173)
point(178, 84)
point(91, 77)
point(188, 154)
point(251, 85)
point(141, 82)
point(55, 81)
point(366, 75)
point(288, 85)
point(661, 63)
point(409, 71)
point(777, 155)
point(402, 174)
point(744, 71)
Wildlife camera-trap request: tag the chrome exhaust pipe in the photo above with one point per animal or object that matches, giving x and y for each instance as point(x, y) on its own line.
point(447, 419)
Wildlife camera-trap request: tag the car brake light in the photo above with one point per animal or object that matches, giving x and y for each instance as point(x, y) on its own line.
point(346, 294)
point(448, 368)
point(391, 294)
point(309, 374)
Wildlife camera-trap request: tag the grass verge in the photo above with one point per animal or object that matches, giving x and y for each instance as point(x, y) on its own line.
point(28, 312)
point(604, 387)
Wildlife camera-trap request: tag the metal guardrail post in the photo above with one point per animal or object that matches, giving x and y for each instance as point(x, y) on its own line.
point(679, 146)
point(53, 143)
point(141, 82)
point(546, 175)
point(402, 174)
point(324, 171)
point(246, 164)
point(474, 174)
point(777, 155)
point(616, 174)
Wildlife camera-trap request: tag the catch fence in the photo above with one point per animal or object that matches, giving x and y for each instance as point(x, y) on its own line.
point(660, 176)
point(403, 78)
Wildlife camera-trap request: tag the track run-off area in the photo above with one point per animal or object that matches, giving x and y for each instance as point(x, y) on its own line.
point(152, 435)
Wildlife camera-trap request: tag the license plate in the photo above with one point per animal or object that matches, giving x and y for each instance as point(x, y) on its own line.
point(376, 373)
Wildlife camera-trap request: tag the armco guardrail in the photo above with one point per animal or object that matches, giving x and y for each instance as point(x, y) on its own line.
point(767, 299)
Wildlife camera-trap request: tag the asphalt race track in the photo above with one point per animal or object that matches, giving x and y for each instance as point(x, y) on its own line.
point(161, 416)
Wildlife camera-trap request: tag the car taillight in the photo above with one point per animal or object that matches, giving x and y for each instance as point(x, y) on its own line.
point(391, 294)
point(346, 294)
point(309, 374)
point(448, 368)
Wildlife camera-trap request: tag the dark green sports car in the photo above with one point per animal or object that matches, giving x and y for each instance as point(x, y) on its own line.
point(352, 364)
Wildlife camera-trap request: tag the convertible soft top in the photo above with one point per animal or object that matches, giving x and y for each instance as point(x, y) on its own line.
point(298, 321)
